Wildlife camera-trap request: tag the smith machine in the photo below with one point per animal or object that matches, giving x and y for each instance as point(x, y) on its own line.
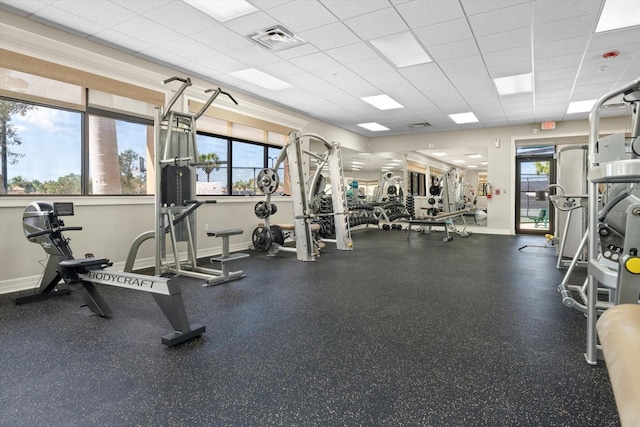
point(176, 163)
point(306, 205)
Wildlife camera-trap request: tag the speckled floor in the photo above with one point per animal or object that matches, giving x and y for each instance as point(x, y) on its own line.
point(395, 333)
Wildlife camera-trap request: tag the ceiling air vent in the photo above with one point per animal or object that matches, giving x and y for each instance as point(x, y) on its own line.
point(419, 125)
point(277, 38)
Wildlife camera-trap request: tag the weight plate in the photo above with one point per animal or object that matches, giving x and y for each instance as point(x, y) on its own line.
point(268, 181)
point(434, 190)
point(392, 189)
point(261, 239)
point(263, 210)
point(277, 235)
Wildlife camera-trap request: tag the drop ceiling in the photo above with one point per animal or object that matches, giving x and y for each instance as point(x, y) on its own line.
point(471, 42)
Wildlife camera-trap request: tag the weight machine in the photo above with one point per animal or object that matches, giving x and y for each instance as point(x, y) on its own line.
point(305, 198)
point(42, 224)
point(176, 162)
point(613, 235)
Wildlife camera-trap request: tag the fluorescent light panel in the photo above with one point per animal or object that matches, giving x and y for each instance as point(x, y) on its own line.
point(474, 156)
point(464, 118)
point(581, 106)
point(402, 49)
point(439, 154)
point(261, 79)
point(382, 102)
point(223, 10)
point(458, 161)
point(618, 14)
point(510, 85)
point(373, 126)
point(472, 166)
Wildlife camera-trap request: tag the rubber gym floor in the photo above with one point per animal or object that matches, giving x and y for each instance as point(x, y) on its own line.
point(398, 332)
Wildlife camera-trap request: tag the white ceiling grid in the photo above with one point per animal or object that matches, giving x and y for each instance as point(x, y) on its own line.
point(471, 42)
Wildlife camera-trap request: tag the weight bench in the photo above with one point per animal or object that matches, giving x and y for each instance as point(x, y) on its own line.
point(428, 224)
point(619, 332)
point(225, 256)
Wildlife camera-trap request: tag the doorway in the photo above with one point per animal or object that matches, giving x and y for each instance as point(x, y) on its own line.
point(535, 170)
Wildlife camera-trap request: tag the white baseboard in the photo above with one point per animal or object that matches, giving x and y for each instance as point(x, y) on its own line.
point(31, 282)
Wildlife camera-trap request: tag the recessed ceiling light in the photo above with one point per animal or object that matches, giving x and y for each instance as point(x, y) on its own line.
point(483, 163)
point(464, 118)
point(439, 154)
point(355, 162)
point(581, 106)
point(397, 161)
point(402, 49)
point(618, 14)
point(375, 127)
point(261, 79)
point(472, 166)
point(474, 156)
point(382, 102)
point(223, 10)
point(509, 85)
point(458, 161)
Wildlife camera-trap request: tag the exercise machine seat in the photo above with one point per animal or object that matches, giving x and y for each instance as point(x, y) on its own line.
point(619, 332)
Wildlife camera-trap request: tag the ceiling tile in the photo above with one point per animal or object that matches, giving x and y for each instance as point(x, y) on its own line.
point(558, 62)
point(142, 6)
point(330, 36)
point(454, 50)
point(377, 24)
point(509, 56)
point(66, 21)
point(190, 49)
point(421, 13)
point(497, 21)
point(544, 11)
point(462, 64)
point(181, 18)
point(294, 52)
point(300, 16)
point(315, 61)
point(122, 41)
point(475, 7)
point(21, 7)
point(352, 53)
point(565, 29)
point(560, 47)
point(152, 30)
point(510, 69)
point(222, 39)
point(249, 24)
point(348, 9)
point(505, 40)
point(104, 13)
point(254, 56)
point(371, 66)
point(222, 64)
point(281, 68)
point(444, 33)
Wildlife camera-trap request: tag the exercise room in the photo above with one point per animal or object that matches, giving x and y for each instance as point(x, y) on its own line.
point(319, 213)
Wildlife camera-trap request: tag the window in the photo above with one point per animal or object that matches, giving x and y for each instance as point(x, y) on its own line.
point(41, 149)
point(118, 156)
point(212, 179)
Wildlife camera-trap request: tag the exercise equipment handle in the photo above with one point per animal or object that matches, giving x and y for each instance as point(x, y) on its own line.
point(52, 230)
point(170, 79)
point(211, 99)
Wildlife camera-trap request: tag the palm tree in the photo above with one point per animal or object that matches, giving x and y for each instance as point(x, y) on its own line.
point(212, 159)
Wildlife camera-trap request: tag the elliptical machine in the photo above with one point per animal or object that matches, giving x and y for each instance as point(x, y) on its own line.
point(43, 224)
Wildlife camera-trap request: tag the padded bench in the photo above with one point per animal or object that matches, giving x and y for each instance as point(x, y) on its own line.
point(291, 227)
point(619, 332)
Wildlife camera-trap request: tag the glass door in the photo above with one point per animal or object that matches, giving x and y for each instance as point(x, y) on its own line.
point(534, 212)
